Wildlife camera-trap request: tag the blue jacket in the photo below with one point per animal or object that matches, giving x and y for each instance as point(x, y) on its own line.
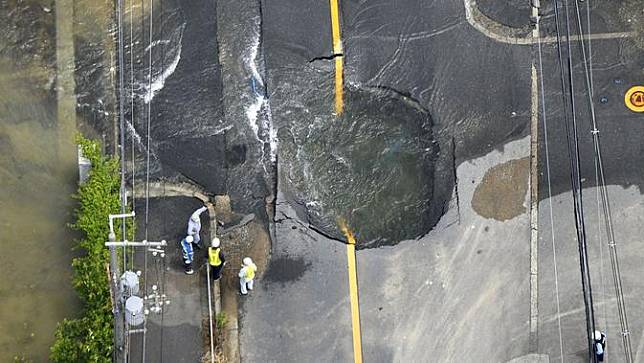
point(188, 252)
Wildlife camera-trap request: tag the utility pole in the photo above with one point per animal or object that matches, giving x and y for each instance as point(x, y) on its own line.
point(116, 291)
point(116, 308)
point(116, 287)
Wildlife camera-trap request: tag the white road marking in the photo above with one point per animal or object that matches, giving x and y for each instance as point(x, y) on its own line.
point(471, 10)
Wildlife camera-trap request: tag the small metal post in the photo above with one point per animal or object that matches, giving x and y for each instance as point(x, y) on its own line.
point(118, 314)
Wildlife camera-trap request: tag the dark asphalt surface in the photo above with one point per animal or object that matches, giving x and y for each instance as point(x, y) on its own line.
point(188, 112)
point(298, 310)
point(514, 13)
point(476, 92)
point(424, 53)
point(616, 66)
point(192, 140)
point(429, 51)
point(474, 97)
point(175, 335)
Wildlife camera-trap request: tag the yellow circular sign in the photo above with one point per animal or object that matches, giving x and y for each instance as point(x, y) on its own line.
point(634, 99)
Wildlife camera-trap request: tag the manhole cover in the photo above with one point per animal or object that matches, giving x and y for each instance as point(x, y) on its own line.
point(634, 99)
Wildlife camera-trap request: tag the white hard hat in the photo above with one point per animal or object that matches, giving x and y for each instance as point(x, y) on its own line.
point(215, 242)
point(189, 239)
point(598, 335)
point(247, 261)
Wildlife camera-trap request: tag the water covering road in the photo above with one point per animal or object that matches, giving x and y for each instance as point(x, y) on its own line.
point(38, 173)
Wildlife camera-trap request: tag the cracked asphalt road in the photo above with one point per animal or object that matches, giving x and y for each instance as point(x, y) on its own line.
point(461, 292)
point(417, 298)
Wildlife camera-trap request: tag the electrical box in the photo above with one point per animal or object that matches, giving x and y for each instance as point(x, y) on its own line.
point(129, 283)
point(134, 313)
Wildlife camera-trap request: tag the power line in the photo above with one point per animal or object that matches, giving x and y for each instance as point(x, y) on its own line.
point(147, 168)
point(119, 326)
point(548, 173)
point(583, 246)
point(163, 292)
point(604, 195)
point(162, 284)
point(575, 177)
point(128, 342)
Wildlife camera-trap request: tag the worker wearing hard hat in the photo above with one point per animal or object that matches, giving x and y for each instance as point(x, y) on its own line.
point(247, 275)
point(194, 225)
point(216, 259)
point(599, 344)
point(188, 254)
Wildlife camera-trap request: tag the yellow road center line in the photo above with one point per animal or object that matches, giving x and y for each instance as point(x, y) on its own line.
point(337, 51)
point(355, 306)
point(335, 27)
point(353, 291)
point(339, 86)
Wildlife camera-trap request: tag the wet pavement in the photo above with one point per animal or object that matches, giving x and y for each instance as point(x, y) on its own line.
point(298, 310)
point(175, 335)
point(627, 216)
point(616, 66)
point(415, 298)
point(429, 165)
point(418, 299)
point(462, 291)
point(396, 67)
point(513, 13)
point(470, 98)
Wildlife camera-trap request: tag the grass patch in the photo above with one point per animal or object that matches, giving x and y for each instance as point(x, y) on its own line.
point(219, 324)
point(221, 320)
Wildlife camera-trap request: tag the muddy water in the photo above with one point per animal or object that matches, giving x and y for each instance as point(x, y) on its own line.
point(501, 193)
point(38, 173)
point(374, 166)
point(35, 255)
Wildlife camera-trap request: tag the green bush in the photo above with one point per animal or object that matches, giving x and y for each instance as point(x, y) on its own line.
point(89, 338)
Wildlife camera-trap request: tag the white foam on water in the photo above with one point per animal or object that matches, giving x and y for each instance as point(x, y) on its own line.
point(272, 133)
point(252, 112)
point(251, 60)
point(151, 89)
point(260, 102)
point(136, 135)
point(222, 130)
point(155, 43)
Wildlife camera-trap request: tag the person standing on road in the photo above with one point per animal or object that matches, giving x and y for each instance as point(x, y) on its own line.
point(247, 275)
point(188, 254)
point(216, 259)
point(599, 342)
point(194, 225)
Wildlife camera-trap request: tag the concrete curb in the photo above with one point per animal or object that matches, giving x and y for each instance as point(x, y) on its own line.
point(216, 288)
point(534, 213)
point(163, 188)
point(231, 331)
point(504, 34)
point(491, 28)
point(224, 302)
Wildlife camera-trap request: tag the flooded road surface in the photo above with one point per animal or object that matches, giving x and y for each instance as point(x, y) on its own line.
point(35, 291)
point(38, 172)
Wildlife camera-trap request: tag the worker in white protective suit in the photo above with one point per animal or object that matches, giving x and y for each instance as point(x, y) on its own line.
point(247, 275)
point(194, 225)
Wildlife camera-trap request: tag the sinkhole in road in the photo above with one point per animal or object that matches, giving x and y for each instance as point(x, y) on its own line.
point(372, 167)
